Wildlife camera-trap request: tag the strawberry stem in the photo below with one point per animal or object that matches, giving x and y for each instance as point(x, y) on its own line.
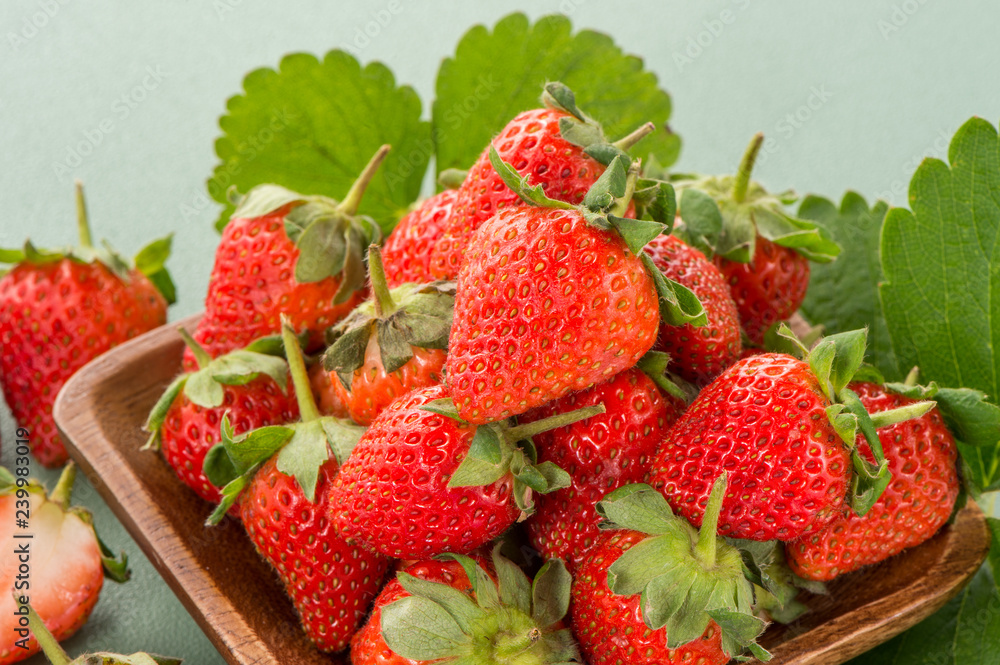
point(621, 204)
point(901, 414)
point(300, 377)
point(746, 168)
point(630, 140)
point(708, 536)
point(384, 304)
point(528, 430)
point(63, 491)
point(349, 206)
point(82, 223)
point(200, 354)
point(452, 178)
point(912, 377)
point(55, 653)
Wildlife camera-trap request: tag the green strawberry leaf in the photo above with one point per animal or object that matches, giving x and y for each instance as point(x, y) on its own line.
point(487, 461)
point(303, 455)
point(475, 98)
point(942, 266)
point(459, 605)
point(942, 271)
point(218, 467)
point(513, 584)
point(638, 507)
point(418, 628)
point(740, 630)
point(158, 414)
point(975, 424)
point(312, 126)
point(678, 304)
point(702, 219)
point(248, 450)
point(843, 295)
point(965, 631)
point(550, 593)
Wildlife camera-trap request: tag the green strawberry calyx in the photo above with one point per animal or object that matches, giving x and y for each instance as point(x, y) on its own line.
point(776, 586)
point(685, 577)
point(331, 236)
point(723, 215)
point(602, 207)
point(205, 386)
point(836, 361)
point(57, 656)
point(506, 620)
point(581, 130)
point(655, 365)
point(408, 316)
point(115, 566)
point(499, 449)
point(302, 448)
point(150, 261)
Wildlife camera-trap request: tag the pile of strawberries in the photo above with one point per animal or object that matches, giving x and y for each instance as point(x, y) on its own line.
point(562, 419)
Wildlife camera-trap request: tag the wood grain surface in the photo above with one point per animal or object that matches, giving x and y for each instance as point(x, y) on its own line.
point(238, 601)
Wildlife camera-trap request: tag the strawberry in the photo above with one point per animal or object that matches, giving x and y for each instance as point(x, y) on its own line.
point(280, 475)
point(701, 353)
point(390, 345)
point(56, 656)
point(762, 251)
point(921, 454)
point(785, 430)
point(62, 566)
point(422, 481)
point(286, 252)
point(249, 385)
point(600, 454)
point(463, 610)
point(552, 147)
point(656, 590)
point(407, 251)
point(557, 298)
point(61, 309)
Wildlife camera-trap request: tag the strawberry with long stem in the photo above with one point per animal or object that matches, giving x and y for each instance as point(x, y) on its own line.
point(390, 345)
point(762, 251)
point(280, 476)
point(249, 385)
point(60, 309)
point(285, 252)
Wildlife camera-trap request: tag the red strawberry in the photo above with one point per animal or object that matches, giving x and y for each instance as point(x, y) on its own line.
point(422, 481)
point(60, 310)
point(248, 385)
point(497, 616)
point(407, 250)
point(547, 146)
point(610, 628)
point(778, 426)
point(925, 485)
point(330, 395)
point(280, 476)
point(67, 563)
point(763, 251)
point(768, 289)
point(555, 299)
point(600, 454)
point(390, 345)
point(284, 252)
point(660, 602)
point(698, 354)
point(55, 654)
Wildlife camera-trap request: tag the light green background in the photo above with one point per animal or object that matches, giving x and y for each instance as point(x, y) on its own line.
point(888, 83)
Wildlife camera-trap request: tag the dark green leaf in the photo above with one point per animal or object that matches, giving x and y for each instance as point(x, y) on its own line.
point(739, 630)
point(313, 126)
point(218, 467)
point(702, 219)
point(514, 585)
point(636, 233)
point(678, 304)
point(942, 266)
point(342, 436)
point(975, 423)
point(843, 294)
point(302, 456)
point(486, 462)
point(476, 98)
point(250, 449)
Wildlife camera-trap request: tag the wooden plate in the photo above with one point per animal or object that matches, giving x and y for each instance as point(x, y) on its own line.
point(238, 600)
